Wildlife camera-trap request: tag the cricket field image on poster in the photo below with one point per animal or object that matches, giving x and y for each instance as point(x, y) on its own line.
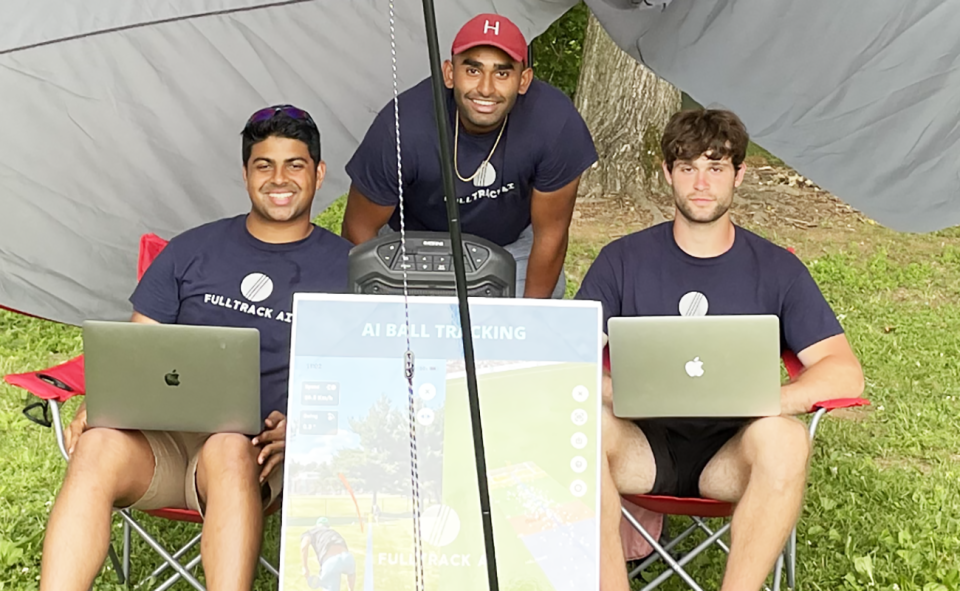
point(348, 486)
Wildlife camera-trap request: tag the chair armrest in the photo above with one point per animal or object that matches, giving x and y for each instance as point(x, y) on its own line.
point(836, 403)
point(60, 383)
point(824, 406)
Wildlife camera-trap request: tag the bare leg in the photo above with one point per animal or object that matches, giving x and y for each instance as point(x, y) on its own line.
point(767, 461)
point(108, 468)
point(228, 483)
point(626, 466)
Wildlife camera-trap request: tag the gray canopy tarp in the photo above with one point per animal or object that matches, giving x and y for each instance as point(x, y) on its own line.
point(123, 118)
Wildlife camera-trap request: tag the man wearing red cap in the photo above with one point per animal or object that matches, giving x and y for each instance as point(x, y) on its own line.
point(519, 148)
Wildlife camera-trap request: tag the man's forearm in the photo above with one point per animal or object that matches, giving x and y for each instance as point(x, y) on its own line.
point(830, 378)
point(544, 266)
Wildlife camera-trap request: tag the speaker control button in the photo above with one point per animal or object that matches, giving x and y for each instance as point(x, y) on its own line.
point(387, 253)
point(478, 255)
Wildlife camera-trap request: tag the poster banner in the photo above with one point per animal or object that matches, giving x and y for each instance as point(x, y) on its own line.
point(348, 486)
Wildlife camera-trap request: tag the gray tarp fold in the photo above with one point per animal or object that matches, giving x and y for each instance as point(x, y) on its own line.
point(122, 118)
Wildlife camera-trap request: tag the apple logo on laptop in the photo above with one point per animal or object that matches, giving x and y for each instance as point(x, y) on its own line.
point(172, 378)
point(694, 368)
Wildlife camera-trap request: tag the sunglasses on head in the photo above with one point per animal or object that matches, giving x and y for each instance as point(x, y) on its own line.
point(268, 113)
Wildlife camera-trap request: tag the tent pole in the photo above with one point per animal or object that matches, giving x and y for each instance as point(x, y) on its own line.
point(460, 274)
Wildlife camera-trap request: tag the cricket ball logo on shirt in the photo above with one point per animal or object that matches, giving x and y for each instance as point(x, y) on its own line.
point(484, 180)
point(256, 287)
point(486, 175)
point(694, 303)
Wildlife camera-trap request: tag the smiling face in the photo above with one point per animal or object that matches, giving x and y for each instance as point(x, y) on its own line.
point(282, 179)
point(485, 83)
point(703, 188)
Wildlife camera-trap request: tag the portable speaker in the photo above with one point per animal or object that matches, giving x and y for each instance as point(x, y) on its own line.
point(376, 266)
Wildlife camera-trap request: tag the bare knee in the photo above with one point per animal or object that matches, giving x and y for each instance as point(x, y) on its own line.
point(627, 453)
point(230, 456)
point(105, 450)
point(116, 461)
point(779, 449)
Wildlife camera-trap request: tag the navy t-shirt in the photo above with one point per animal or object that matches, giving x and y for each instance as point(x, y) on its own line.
point(648, 274)
point(545, 146)
point(218, 274)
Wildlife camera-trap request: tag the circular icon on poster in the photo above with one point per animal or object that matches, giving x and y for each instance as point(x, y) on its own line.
point(578, 488)
point(580, 393)
point(425, 416)
point(579, 417)
point(441, 525)
point(428, 391)
point(578, 464)
point(579, 440)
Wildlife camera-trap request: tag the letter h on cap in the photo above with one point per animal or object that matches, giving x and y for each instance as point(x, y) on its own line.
point(487, 27)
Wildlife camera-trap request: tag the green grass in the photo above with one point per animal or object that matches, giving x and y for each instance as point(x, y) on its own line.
point(882, 509)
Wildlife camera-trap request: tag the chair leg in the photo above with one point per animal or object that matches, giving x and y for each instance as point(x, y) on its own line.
point(778, 573)
point(270, 568)
point(115, 561)
point(673, 564)
point(172, 580)
point(702, 525)
point(792, 560)
point(126, 550)
point(189, 545)
point(676, 567)
point(645, 564)
point(161, 551)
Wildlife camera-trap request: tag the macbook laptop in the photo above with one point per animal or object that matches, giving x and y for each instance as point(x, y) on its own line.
point(170, 377)
point(695, 366)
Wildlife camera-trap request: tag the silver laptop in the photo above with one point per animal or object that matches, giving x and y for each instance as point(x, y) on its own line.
point(168, 377)
point(695, 366)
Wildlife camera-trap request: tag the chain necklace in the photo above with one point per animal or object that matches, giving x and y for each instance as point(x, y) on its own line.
point(483, 167)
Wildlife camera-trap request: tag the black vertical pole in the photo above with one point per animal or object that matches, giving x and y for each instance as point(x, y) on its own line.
point(460, 274)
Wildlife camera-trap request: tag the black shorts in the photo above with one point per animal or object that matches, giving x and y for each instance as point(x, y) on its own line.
point(682, 448)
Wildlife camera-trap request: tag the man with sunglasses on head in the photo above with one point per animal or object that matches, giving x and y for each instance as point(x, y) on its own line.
point(240, 272)
point(519, 148)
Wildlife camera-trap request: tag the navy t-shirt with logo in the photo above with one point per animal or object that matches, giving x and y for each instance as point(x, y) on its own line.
point(648, 274)
point(218, 274)
point(545, 146)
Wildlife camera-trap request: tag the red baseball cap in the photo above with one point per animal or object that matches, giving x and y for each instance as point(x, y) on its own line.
point(494, 30)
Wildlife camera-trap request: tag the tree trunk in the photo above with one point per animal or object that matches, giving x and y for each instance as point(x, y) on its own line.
point(626, 107)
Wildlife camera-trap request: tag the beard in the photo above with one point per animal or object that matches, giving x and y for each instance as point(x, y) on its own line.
point(720, 207)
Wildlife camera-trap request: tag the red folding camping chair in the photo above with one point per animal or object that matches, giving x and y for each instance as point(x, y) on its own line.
point(699, 509)
point(56, 385)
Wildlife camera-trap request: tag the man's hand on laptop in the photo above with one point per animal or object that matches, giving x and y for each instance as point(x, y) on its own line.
point(76, 428)
point(273, 442)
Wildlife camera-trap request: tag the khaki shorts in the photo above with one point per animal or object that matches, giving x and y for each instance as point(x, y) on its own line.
point(174, 483)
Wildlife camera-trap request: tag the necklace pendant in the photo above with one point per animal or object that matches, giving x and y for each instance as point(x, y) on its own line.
point(485, 176)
